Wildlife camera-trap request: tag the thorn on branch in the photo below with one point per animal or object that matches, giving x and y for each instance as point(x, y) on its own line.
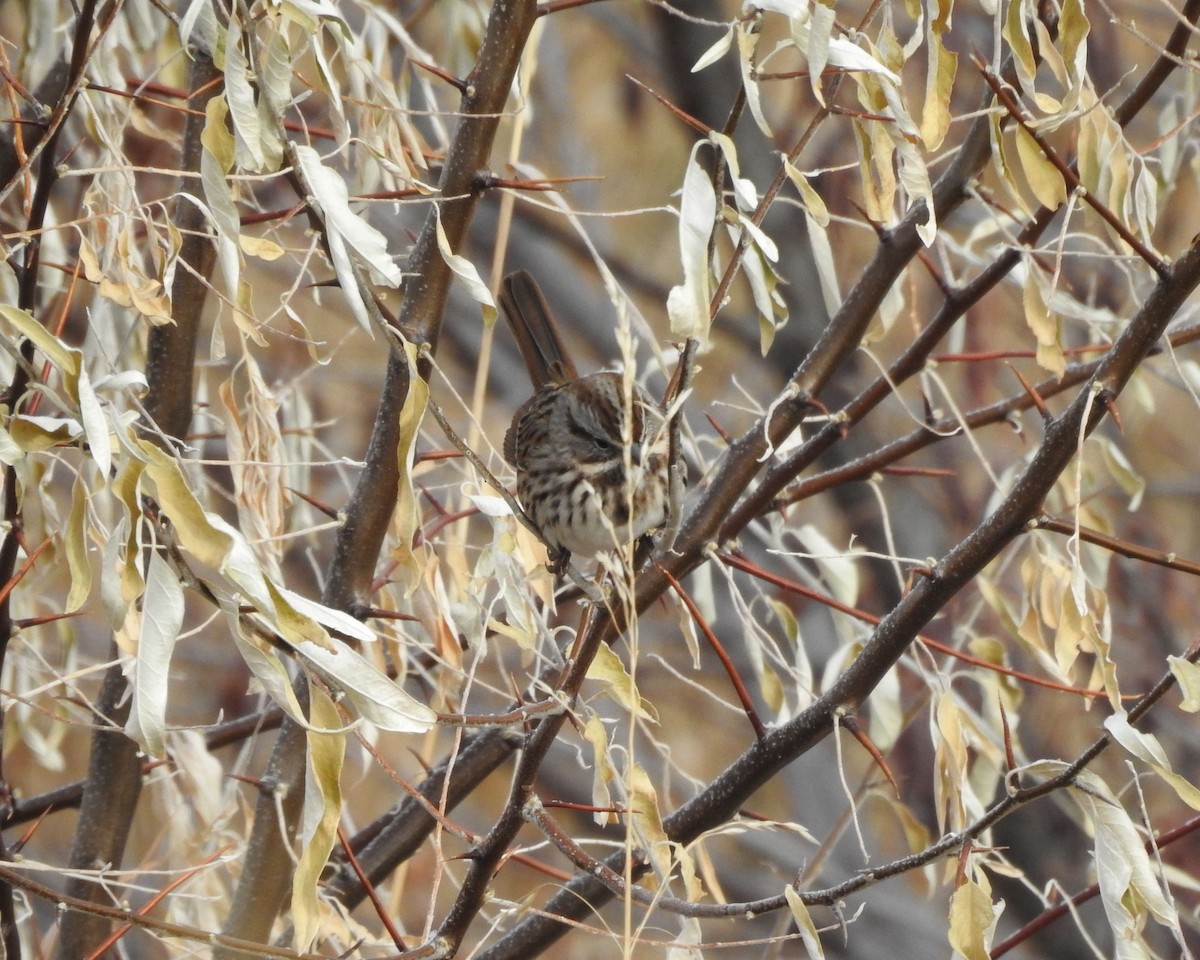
point(1010, 757)
point(1036, 397)
point(1109, 401)
point(698, 125)
point(456, 82)
point(879, 228)
point(851, 723)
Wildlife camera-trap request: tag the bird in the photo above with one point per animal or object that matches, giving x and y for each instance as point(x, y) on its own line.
point(590, 452)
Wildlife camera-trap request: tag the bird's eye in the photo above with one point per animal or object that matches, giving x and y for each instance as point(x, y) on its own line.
point(594, 437)
point(603, 442)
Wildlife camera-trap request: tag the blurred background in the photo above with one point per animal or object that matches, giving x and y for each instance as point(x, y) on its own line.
point(590, 121)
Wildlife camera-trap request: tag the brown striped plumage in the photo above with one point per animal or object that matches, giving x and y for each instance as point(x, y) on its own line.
point(583, 465)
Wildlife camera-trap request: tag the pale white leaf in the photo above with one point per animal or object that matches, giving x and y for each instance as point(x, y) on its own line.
point(465, 270)
point(335, 620)
point(823, 259)
point(793, 9)
point(838, 570)
point(1129, 886)
point(312, 11)
point(346, 231)
point(747, 38)
point(686, 945)
point(488, 505)
point(716, 51)
point(851, 58)
point(1121, 470)
point(744, 192)
point(1187, 675)
point(95, 425)
point(162, 618)
point(198, 26)
point(688, 303)
point(243, 110)
point(815, 37)
point(915, 177)
point(1145, 747)
point(10, 451)
point(265, 665)
point(374, 696)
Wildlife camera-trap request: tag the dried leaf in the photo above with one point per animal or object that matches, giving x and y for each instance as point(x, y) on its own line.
point(321, 814)
point(375, 697)
point(1145, 747)
point(1043, 177)
point(76, 541)
point(240, 95)
point(411, 559)
point(161, 621)
point(603, 772)
point(747, 43)
point(346, 232)
point(973, 919)
point(716, 51)
point(1043, 322)
point(939, 82)
point(1187, 675)
point(804, 924)
point(608, 670)
point(646, 821)
point(688, 303)
point(465, 270)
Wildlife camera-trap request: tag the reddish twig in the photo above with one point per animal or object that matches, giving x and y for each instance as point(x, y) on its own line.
point(377, 903)
point(740, 688)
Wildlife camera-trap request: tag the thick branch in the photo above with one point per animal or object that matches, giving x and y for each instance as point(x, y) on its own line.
point(114, 779)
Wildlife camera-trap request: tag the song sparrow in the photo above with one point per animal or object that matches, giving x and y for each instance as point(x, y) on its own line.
point(591, 474)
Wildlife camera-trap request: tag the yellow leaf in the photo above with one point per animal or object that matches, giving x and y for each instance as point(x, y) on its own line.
point(603, 772)
point(1043, 177)
point(260, 247)
point(197, 534)
point(75, 535)
point(1002, 158)
point(408, 515)
point(68, 361)
point(814, 206)
point(1187, 675)
point(610, 672)
point(322, 811)
point(215, 137)
point(1017, 35)
point(804, 923)
point(939, 83)
point(1044, 324)
point(972, 921)
point(1073, 29)
point(35, 434)
point(771, 687)
point(647, 820)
